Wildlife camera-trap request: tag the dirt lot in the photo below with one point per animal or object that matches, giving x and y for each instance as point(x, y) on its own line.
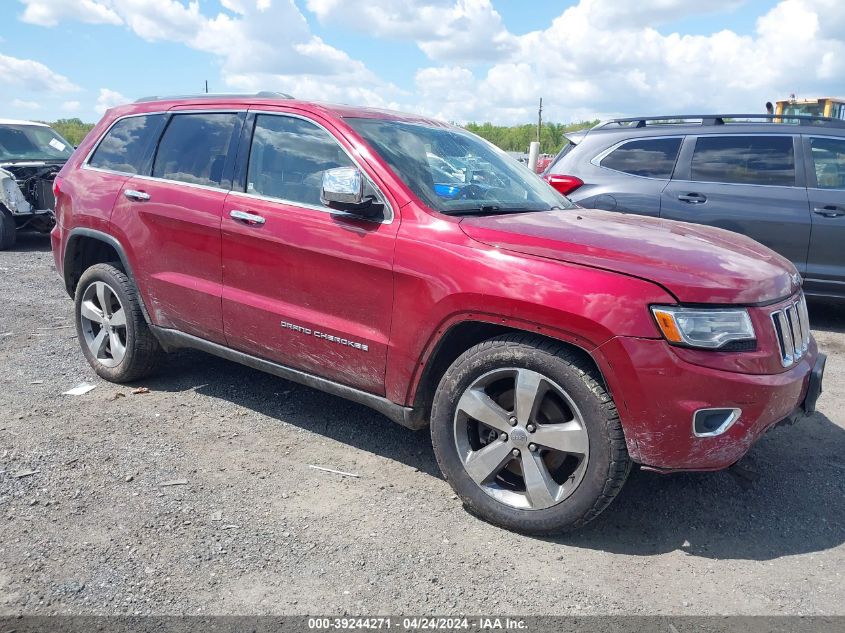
point(255, 530)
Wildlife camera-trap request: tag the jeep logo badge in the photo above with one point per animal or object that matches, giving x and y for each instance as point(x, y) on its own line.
point(519, 437)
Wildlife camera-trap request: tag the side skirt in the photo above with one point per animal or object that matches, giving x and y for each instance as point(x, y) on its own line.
point(406, 416)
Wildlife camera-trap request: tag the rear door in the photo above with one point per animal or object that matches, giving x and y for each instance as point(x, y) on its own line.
point(825, 159)
point(170, 221)
point(628, 177)
point(302, 285)
point(124, 151)
point(749, 184)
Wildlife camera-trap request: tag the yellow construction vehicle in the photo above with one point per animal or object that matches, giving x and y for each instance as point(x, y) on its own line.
point(825, 106)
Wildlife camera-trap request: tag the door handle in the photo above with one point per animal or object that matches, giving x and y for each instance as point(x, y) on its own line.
point(830, 211)
point(133, 194)
point(246, 218)
point(692, 198)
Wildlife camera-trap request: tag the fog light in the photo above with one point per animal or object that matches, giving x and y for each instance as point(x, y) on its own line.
point(710, 422)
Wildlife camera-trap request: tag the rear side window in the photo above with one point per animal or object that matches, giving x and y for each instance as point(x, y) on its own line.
point(751, 160)
point(652, 157)
point(195, 146)
point(126, 147)
point(563, 152)
point(829, 162)
point(288, 158)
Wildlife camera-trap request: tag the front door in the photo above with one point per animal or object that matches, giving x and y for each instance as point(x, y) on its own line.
point(747, 184)
point(302, 285)
point(826, 190)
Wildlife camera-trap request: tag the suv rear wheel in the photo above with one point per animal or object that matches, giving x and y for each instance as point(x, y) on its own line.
point(110, 324)
point(527, 435)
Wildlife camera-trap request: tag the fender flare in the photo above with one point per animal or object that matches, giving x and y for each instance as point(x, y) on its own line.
point(112, 241)
point(438, 335)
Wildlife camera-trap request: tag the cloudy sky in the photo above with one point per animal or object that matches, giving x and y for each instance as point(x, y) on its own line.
point(460, 60)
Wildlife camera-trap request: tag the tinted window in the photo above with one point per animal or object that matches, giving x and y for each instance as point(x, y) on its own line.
point(754, 160)
point(127, 144)
point(829, 161)
point(653, 157)
point(194, 148)
point(288, 158)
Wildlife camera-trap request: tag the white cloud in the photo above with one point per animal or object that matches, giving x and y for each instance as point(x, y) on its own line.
point(261, 43)
point(445, 30)
point(51, 12)
point(108, 99)
point(32, 76)
point(597, 58)
point(25, 105)
point(629, 15)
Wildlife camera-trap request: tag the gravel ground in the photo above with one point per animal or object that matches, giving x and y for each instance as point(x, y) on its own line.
point(256, 530)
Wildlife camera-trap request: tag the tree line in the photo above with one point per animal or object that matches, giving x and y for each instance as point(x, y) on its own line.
point(510, 138)
point(74, 130)
point(516, 138)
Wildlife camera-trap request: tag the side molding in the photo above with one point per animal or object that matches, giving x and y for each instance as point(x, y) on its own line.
point(406, 416)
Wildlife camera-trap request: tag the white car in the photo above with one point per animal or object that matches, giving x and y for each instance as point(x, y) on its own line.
point(31, 154)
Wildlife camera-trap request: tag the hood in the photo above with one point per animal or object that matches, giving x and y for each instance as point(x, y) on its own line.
point(697, 264)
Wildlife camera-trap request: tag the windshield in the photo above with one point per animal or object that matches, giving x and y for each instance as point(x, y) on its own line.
point(32, 142)
point(454, 171)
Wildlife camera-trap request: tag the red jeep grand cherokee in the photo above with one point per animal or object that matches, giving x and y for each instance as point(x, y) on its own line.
point(413, 267)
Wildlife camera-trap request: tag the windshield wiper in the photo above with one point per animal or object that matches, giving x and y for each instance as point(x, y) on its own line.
point(491, 209)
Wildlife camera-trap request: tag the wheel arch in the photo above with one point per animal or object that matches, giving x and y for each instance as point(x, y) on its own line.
point(86, 247)
point(456, 338)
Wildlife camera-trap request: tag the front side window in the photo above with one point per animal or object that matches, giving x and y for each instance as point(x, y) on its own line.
point(32, 142)
point(126, 146)
point(454, 171)
point(752, 160)
point(288, 158)
point(653, 158)
point(194, 148)
point(829, 161)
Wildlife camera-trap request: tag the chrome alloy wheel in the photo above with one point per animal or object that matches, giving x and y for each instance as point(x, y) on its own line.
point(521, 438)
point(103, 322)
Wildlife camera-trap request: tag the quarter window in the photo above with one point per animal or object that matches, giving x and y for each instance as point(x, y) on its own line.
point(653, 158)
point(753, 160)
point(194, 148)
point(288, 158)
point(126, 147)
point(829, 161)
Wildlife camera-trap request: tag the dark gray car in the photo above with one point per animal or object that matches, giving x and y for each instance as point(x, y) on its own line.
point(779, 182)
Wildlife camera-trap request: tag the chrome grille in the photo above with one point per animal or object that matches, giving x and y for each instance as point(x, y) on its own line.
point(792, 328)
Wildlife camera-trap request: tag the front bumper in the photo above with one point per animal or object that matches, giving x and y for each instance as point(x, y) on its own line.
point(657, 394)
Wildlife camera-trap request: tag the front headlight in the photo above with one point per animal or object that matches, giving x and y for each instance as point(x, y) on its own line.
point(702, 327)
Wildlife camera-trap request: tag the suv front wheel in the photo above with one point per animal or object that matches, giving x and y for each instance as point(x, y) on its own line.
point(527, 435)
point(111, 327)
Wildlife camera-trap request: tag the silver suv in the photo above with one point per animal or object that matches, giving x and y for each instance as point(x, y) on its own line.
point(779, 181)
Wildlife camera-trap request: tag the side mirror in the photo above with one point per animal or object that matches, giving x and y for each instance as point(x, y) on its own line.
point(342, 189)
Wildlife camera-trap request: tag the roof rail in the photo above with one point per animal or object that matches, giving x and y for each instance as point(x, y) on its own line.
point(264, 94)
point(721, 119)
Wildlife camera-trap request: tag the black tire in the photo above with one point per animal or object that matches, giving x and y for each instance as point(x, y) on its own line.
point(606, 468)
point(142, 350)
point(8, 230)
